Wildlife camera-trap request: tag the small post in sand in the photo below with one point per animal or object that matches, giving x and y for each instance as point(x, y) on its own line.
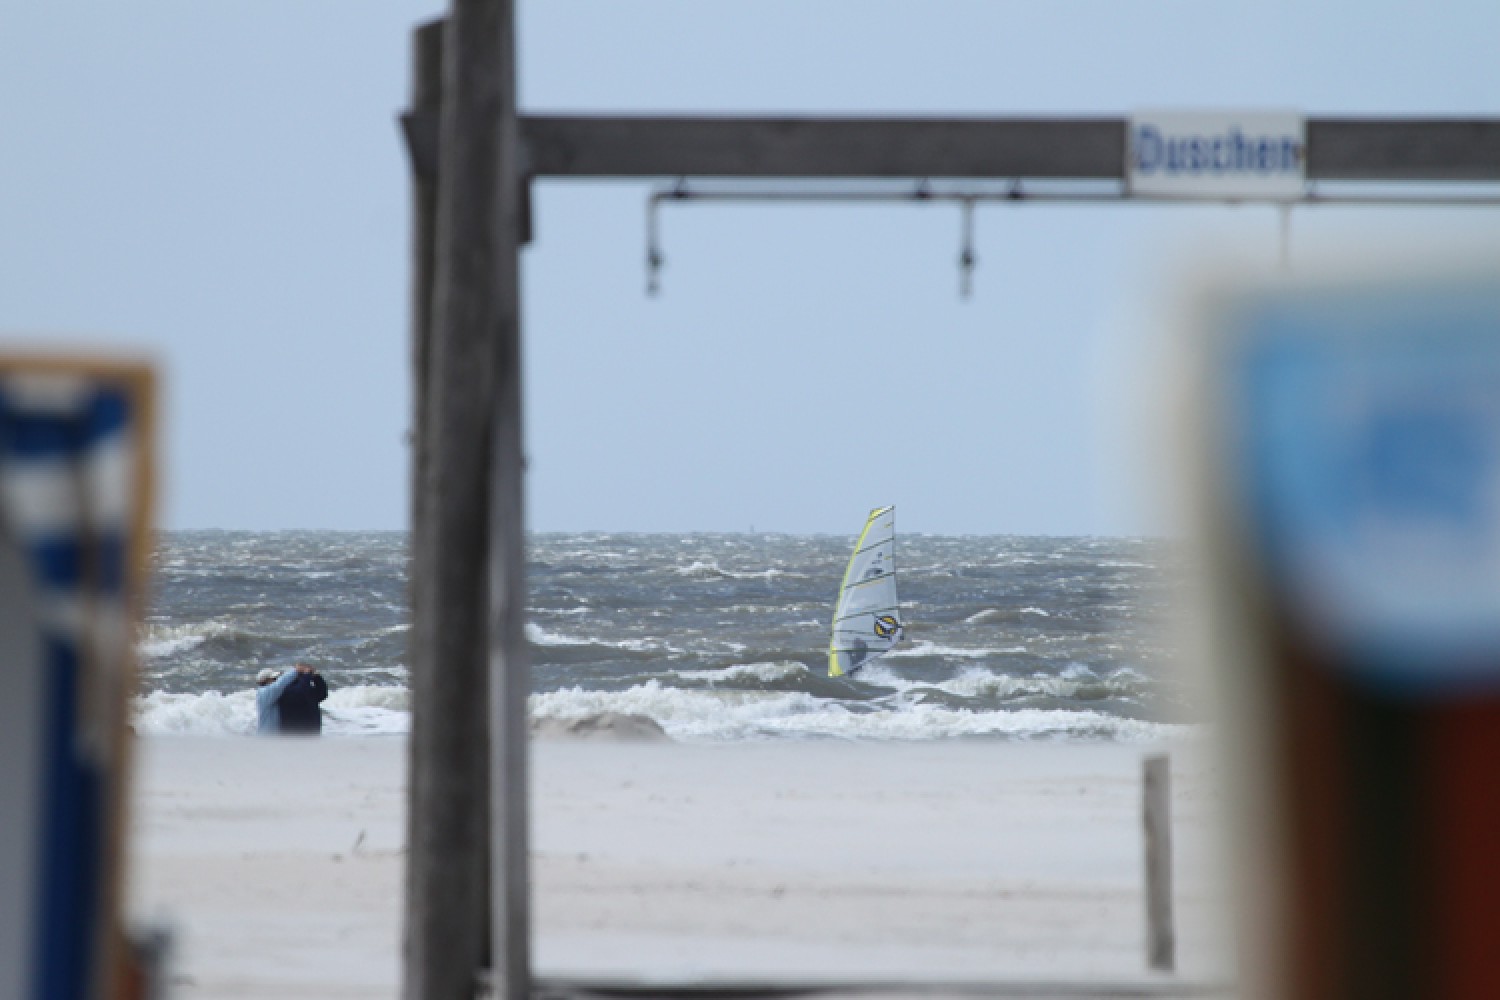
point(1161, 942)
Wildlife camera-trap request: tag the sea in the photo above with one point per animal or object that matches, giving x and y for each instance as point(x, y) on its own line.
point(716, 637)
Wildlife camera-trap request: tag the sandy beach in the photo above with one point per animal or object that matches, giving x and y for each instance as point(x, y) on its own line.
point(278, 866)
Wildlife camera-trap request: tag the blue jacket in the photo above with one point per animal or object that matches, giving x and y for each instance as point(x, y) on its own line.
point(268, 715)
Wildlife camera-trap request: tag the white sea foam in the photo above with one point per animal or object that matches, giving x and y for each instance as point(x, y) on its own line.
point(928, 722)
point(545, 637)
point(768, 671)
point(979, 683)
point(595, 558)
point(210, 712)
point(923, 647)
point(710, 569)
point(712, 714)
point(719, 715)
point(684, 714)
point(348, 710)
point(157, 641)
point(367, 709)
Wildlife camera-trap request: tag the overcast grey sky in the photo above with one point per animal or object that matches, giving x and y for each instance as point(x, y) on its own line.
point(222, 184)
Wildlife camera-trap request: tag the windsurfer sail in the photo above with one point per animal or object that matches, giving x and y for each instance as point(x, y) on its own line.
point(867, 618)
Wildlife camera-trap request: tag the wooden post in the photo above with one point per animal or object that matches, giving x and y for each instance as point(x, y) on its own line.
point(472, 294)
point(425, 935)
point(1161, 943)
point(510, 668)
point(426, 100)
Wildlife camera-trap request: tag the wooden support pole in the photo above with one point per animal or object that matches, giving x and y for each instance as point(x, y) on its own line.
point(509, 662)
point(426, 101)
point(424, 935)
point(1161, 942)
point(448, 902)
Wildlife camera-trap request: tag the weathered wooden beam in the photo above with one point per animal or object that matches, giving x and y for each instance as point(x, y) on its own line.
point(1404, 149)
point(448, 906)
point(565, 146)
point(1389, 149)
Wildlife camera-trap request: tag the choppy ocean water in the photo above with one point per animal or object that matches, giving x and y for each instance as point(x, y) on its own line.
point(716, 637)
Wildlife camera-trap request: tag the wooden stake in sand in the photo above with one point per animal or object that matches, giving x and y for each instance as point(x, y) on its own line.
point(1161, 942)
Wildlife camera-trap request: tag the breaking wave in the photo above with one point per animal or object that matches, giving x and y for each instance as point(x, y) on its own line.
point(158, 641)
point(745, 701)
point(729, 715)
point(358, 709)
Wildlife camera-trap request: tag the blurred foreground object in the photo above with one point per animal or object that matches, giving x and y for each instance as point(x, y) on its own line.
point(1349, 477)
point(75, 491)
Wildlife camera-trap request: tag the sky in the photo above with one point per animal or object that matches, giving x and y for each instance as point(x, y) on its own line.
point(222, 187)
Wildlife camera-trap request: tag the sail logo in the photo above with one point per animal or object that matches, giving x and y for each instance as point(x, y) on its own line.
point(886, 626)
point(1257, 155)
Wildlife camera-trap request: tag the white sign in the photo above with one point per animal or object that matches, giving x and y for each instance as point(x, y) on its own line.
point(1217, 154)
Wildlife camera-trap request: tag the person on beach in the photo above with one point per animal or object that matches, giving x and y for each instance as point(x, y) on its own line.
point(300, 702)
point(270, 685)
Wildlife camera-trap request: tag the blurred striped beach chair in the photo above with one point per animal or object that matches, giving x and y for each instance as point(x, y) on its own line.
point(75, 493)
